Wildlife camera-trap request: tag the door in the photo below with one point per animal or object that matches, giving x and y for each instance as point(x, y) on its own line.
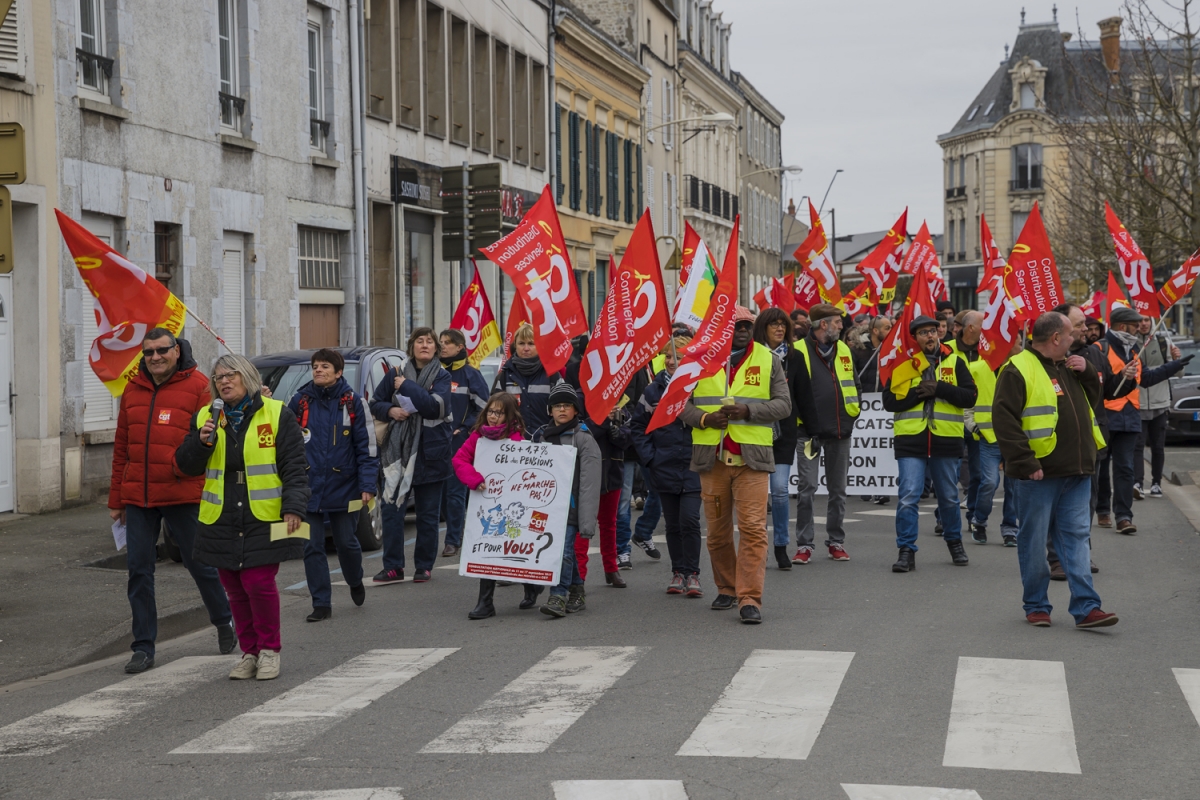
point(100, 408)
point(319, 325)
point(233, 282)
point(6, 377)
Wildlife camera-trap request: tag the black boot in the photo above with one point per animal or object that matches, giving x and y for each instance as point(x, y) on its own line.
point(532, 592)
point(956, 552)
point(782, 559)
point(484, 607)
point(907, 561)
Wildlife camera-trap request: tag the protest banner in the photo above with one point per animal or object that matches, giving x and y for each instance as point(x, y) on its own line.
point(873, 469)
point(515, 527)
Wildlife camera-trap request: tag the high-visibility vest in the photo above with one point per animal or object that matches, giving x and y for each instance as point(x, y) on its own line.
point(262, 475)
point(1040, 415)
point(1117, 366)
point(985, 380)
point(843, 369)
point(947, 418)
point(751, 384)
point(658, 363)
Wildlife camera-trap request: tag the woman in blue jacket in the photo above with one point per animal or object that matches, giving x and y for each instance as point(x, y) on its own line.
point(343, 463)
point(524, 377)
point(414, 454)
point(468, 397)
point(666, 456)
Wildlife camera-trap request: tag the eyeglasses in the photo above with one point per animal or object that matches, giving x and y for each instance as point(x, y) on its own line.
point(778, 322)
point(225, 376)
point(495, 412)
point(561, 406)
point(927, 332)
point(162, 351)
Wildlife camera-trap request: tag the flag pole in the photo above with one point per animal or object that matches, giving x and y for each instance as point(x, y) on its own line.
point(204, 325)
point(1138, 355)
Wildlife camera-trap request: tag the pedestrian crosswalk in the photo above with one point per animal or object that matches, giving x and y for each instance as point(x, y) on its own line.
point(1005, 714)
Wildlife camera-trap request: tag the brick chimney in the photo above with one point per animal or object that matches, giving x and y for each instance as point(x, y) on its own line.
point(1110, 44)
point(791, 208)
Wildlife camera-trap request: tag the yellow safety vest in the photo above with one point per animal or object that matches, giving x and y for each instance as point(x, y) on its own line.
point(658, 363)
point(843, 366)
point(985, 380)
point(262, 475)
point(751, 384)
point(1040, 416)
point(947, 418)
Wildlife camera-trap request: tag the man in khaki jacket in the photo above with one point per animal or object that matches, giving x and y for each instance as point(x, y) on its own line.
point(732, 433)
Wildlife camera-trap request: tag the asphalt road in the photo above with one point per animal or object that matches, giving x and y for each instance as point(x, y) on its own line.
point(858, 678)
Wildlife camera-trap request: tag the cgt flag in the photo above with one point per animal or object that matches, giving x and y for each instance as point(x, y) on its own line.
point(1001, 317)
point(1135, 268)
point(813, 257)
point(517, 316)
point(697, 279)
point(882, 265)
point(1180, 284)
point(709, 350)
point(475, 319)
point(534, 257)
point(128, 304)
point(804, 290)
point(899, 347)
point(1032, 271)
point(859, 300)
point(632, 326)
point(782, 295)
point(1114, 298)
point(922, 258)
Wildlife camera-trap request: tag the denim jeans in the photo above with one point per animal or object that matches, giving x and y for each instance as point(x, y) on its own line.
point(983, 458)
point(781, 505)
point(569, 575)
point(454, 508)
point(643, 529)
point(142, 526)
point(1116, 493)
point(342, 525)
point(682, 513)
point(625, 512)
point(944, 474)
point(428, 501)
point(1056, 508)
point(1009, 522)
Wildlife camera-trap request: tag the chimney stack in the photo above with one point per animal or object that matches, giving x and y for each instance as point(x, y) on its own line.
point(1110, 45)
point(791, 208)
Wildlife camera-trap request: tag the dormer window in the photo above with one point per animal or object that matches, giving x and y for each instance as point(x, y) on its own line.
point(1028, 97)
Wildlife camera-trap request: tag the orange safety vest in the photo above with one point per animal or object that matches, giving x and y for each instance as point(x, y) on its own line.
point(1133, 397)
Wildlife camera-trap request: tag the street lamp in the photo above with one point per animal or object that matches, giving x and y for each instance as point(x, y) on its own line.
point(712, 119)
point(826, 197)
point(792, 168)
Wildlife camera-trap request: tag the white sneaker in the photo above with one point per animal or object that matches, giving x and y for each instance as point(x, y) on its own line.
point(1156, 490)
point(1138, 494)
point(268, 665)
point(245, 669)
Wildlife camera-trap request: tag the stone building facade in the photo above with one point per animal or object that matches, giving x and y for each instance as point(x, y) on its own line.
point(760, 182)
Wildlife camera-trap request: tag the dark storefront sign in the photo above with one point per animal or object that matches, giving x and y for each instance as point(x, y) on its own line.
point(415, 183)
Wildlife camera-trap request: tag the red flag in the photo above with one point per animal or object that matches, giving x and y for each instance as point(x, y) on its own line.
point(900, 345)
point(1115, 297)
point(813, 257)
point(804, 290)
point(1095, 307)
point(709, 350)
point(1001, 317)
point(534, 256)
point(517, 316)
point(1135, 269)
point(763, 298)
point(475, 319)
point(922, 258)
point(859, 300)
point(882, 264)
point(1180, 283)
point(1031, 267)
point(632, 326)
point(782, 296)
point(128, 304)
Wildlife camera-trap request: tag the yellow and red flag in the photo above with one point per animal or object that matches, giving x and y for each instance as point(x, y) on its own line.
point(1114, 298)
point(1001, 317)
point(1135, 267)
point(475, 319)
point(859, 300)
point(128, 303)
point(813, 257)
point(922, 258)
point(899, 352)
point(882, 265)
point(1180, 284)
point(1032, 271)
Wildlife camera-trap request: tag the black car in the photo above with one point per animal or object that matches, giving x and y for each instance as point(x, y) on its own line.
point(284, 374)
point(1183, 420)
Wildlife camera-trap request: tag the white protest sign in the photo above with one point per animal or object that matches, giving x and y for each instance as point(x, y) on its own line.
point(873, 469)
point(515, 526)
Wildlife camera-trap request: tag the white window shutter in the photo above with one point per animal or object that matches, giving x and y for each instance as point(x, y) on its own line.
point(650, 110)
point(12, 51)
point(232, 286)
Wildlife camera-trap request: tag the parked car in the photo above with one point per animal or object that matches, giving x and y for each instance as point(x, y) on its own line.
point(489, 367)
point(284, 373)
point(1183, 420)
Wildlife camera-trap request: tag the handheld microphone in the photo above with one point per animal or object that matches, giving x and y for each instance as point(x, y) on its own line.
point(218, 407)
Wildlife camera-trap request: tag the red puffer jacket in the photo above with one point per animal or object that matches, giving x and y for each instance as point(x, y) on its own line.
point(153, 421)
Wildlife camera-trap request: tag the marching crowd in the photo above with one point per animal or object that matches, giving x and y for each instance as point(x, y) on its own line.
point(246, 481)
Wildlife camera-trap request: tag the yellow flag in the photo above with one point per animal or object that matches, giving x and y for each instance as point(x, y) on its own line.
point(906, 371)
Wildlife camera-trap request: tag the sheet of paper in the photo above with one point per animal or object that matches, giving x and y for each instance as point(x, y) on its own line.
point(279, 531)
point(118, 529)
point(405, 404)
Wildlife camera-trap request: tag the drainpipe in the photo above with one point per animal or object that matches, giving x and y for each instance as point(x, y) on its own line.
point(552, 107)
point(358, 120)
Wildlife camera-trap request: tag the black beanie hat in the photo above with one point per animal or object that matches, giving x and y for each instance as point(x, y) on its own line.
point(563, 392)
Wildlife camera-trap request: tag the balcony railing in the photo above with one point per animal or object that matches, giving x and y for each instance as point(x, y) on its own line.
point(709, 198)
point(1028, 183)
point(955, 192)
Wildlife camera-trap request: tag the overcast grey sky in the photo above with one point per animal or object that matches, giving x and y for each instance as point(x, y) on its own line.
point(868, 85)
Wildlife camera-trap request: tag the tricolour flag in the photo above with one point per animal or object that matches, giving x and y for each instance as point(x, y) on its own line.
point(697, 279)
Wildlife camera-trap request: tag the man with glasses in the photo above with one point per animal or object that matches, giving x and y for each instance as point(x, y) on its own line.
point(928, 431)
point(147, 489)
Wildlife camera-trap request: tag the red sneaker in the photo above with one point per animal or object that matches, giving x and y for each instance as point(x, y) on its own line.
point(1038, 619)
point(802, 556)
point(1097, 619)
point(838, 553)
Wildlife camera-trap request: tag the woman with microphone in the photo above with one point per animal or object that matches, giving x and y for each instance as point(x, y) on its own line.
point(250, 450)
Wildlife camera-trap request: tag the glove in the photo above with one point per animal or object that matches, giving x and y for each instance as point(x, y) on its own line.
point(1186, 359)
point(927, 389)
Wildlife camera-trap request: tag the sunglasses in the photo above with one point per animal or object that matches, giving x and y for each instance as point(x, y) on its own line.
point(162, 351)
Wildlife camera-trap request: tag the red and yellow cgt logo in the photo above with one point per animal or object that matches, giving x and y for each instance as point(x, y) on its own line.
point(752, 376)
point(947, 373)
point(164, 417)
point(266, 436)
point(845, 361)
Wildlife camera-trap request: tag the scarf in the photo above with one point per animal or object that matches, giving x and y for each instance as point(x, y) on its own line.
point(526, 367)
point(402, 442)
point(237, 413)
point(454, 362)
point(559, 430)
point(497, 432)
point(930, 374)
point(783, 349)
point(1130, 340)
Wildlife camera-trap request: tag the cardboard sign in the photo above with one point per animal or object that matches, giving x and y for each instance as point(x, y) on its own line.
point(515, 525)
point(873, 469)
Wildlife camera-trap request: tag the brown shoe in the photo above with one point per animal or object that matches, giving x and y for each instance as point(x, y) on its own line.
point(1057, 573)
point(1104, 520)
point(450, 551)
point(1094, 568)
point(615, 580)
point(1126, 526)
point(1038, 619)
point(1097, 619)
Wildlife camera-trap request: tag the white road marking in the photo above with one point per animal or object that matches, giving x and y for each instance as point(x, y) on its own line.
point(288, 722)
point(529, 714)
point(892, 513)
point(619, 790)
point(1011, 714)
point(389, 793)
point(105, 708)
point(1189, 683)
point(862, 791)
point(774, 707)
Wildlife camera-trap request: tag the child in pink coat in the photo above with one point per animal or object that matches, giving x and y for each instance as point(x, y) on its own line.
point(501, 419)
